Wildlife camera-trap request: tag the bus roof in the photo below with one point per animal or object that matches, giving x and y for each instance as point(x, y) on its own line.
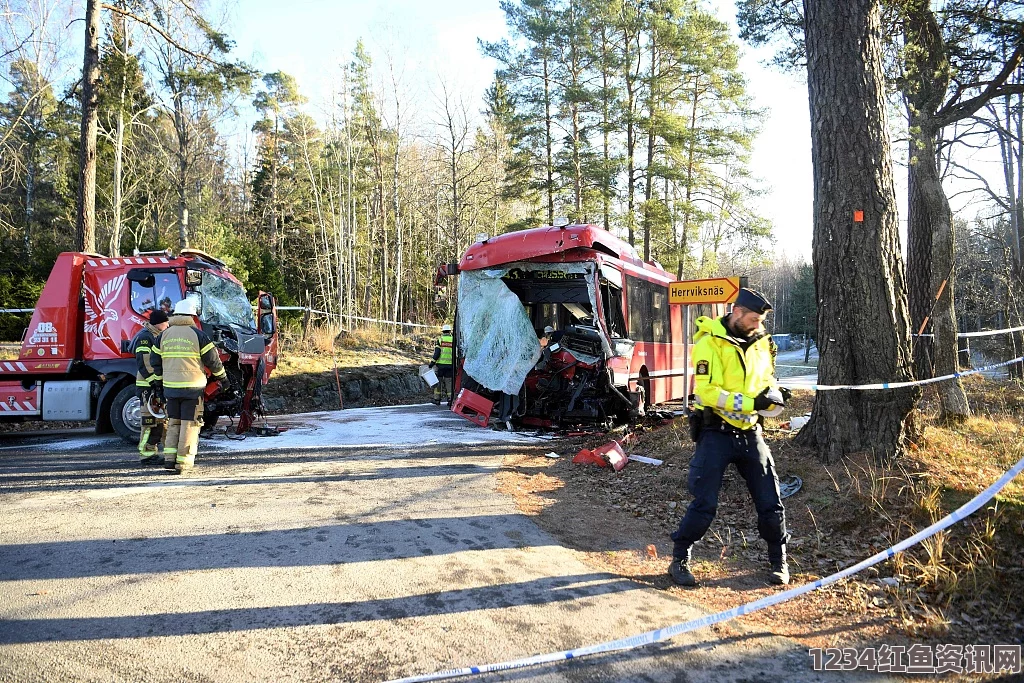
point(524, 245)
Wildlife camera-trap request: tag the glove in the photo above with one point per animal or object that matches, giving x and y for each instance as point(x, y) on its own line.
point(762, 402)
point(157, 387)
point(430, 364)
point(786, 394)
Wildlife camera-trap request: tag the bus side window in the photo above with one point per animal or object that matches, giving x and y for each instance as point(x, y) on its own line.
point(639, 310)
point(659, 314)
point(611, 300)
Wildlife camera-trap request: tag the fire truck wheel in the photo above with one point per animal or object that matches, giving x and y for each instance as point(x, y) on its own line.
point(126, 415)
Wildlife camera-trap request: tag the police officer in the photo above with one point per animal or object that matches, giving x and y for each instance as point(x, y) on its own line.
point(443, 360)
point(734, 368)
point(179, 356)
point(152, 426)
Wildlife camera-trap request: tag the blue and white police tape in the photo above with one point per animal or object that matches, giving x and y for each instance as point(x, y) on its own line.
point(668, 632)
point(897, 385)
point(983, 333)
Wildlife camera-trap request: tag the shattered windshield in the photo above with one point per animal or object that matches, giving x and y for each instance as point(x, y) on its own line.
point(225, 303)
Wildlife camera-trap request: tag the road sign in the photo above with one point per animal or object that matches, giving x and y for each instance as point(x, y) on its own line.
point(716, 290)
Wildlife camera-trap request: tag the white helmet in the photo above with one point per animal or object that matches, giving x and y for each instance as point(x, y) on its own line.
point(185, 307)
point(446, 328)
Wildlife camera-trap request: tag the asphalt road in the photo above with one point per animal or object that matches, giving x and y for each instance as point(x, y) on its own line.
point(361, 545)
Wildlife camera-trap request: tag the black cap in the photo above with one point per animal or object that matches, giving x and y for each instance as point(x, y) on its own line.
point(156, 317)
point(753, 301)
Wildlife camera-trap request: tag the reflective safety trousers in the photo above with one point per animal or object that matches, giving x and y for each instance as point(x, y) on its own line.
point(727, 378)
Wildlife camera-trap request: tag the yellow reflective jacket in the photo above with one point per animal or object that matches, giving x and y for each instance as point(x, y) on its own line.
point(727, 378)
point(443, 349)
point(142, 344)
point(179, 356)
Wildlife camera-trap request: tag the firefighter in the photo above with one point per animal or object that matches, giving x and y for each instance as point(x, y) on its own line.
point(734, 368)
point(443, 360)
point(179, 356)
point(152, 426)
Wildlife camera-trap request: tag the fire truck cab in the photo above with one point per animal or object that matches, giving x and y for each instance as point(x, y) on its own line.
point(76, 362)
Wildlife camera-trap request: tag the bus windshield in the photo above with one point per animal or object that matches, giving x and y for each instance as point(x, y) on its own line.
point(225, 303)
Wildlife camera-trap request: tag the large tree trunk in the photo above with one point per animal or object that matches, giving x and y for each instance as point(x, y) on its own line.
point(930, 222)
point(863, 323)
point(919, 270)
point(85, 226)
point(930, 207)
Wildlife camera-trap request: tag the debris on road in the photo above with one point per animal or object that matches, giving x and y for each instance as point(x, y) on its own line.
point(645, 459)
point(790, 485)
point(608, 455)
point(473, 407)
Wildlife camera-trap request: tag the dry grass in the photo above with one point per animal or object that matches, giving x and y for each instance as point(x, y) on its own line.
point(959, 586)
point(325, 338)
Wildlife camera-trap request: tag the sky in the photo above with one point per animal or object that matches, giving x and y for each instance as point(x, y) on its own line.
point(433, 39)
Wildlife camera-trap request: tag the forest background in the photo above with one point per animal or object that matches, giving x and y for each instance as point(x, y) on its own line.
point(635, 116)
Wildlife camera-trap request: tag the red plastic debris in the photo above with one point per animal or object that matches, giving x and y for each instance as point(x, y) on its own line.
point(610, 454)
point(473, 407)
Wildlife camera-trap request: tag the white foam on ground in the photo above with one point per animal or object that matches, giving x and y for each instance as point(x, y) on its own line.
point(384, 427)
point(76, 443)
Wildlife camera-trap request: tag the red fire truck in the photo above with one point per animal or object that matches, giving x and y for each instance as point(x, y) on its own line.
point(76, 361)
point(619, 345)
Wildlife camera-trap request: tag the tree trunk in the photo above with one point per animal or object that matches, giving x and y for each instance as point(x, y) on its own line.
point(863, 322)
point(919, 270)
point(651, 114)
point(630, 136)
point(85, 227)
point(115, 234)
point(930, 223)
point(549, 163)
point(275, 240)
point(606, 199)
point(930, 207)
point(30, 188)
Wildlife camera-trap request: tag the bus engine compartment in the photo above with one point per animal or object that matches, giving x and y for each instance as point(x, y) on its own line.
point(501, 316)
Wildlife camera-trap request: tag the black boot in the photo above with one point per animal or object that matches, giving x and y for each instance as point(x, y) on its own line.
point(680, 572)
point(780, 570)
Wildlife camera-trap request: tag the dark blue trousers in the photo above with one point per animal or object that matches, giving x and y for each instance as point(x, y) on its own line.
point(715, 451)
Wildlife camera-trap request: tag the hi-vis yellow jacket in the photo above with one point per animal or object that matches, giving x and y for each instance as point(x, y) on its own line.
point(443, 349)
point(727, 378)
point(179, 356)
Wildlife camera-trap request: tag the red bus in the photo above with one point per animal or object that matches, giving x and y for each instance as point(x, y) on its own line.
point(618, 348)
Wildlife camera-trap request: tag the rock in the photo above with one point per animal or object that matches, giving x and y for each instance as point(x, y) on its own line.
point(273, 405)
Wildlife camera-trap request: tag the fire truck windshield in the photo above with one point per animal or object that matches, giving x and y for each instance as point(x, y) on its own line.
point(225, 303)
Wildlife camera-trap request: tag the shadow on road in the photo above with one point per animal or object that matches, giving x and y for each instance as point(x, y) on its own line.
point(536, 592)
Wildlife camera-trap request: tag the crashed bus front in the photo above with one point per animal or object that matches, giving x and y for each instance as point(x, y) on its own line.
point(612, 354)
